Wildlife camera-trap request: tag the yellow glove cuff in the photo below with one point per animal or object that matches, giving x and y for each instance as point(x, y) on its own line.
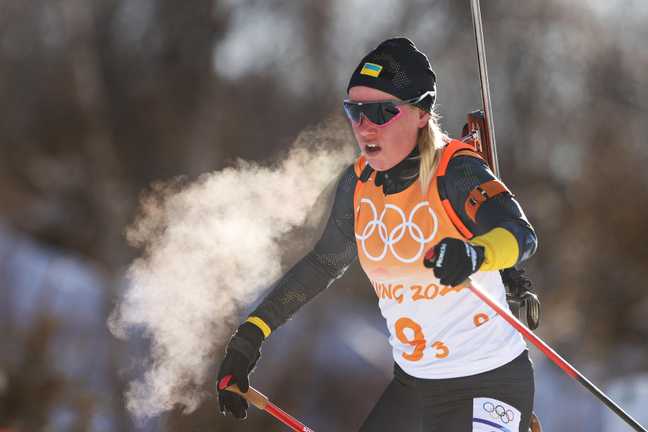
point(265, 328)
point(501, 249)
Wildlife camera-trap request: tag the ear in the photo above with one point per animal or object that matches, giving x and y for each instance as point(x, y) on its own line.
point(423, 118)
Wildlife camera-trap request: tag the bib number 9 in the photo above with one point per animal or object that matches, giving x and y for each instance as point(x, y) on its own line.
point(416, 339)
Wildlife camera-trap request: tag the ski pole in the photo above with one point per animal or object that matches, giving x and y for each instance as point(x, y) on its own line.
point(261, 401)
point(553, 356)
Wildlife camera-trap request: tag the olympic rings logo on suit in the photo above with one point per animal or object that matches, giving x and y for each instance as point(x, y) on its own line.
point(499, 412)
point(397, 233)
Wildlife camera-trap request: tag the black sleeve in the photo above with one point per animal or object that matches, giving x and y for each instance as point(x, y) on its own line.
point(463, 175)
point(328, 260)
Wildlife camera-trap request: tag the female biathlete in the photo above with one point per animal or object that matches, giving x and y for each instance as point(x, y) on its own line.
point(422, 213)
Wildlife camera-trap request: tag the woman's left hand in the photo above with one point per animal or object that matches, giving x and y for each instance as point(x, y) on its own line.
point(454, 260)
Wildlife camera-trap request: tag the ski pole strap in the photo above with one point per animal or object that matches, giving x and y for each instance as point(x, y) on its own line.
point(261, 401)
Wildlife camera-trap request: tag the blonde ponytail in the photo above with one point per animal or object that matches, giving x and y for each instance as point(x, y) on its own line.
point(430, 141)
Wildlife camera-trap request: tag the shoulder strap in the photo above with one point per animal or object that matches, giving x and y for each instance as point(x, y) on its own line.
point(362, 171)
point(452, 149)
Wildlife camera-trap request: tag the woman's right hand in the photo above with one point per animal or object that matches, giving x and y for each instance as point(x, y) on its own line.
point(243, 351)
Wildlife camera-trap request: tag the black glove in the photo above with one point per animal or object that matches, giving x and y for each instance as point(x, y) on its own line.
point(453, 260)
point(521, 294)
point(241, 356)
point(516, 280)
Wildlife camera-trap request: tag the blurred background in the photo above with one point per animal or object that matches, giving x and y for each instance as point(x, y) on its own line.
point(100, 98)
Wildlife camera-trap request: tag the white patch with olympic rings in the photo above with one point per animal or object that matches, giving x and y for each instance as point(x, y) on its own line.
point(492, 415)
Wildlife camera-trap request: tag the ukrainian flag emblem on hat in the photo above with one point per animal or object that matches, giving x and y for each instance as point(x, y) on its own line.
point(371, 69)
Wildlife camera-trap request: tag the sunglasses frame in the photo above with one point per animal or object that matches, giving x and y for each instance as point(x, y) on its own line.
point(394, 102)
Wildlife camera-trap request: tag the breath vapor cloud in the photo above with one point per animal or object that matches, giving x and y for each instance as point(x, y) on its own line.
point(209, 249)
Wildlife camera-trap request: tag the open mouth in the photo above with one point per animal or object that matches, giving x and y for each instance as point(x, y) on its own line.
point(372, 149)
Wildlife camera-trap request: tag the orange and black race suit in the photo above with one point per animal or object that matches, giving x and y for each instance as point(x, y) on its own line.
point(336, 250)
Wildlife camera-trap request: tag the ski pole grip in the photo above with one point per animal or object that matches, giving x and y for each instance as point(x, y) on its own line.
point(253, 396)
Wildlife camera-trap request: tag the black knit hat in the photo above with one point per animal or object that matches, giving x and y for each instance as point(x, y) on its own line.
point(398, 68)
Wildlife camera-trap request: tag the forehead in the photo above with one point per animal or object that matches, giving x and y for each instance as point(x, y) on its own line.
point(364, 94)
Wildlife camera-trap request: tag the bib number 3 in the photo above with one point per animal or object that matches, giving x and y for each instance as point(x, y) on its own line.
point(409, 332)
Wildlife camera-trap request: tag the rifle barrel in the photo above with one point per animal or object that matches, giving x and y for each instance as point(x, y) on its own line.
point(483, 78)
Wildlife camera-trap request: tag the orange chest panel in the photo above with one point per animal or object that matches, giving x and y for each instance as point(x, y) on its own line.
point(393, 232)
